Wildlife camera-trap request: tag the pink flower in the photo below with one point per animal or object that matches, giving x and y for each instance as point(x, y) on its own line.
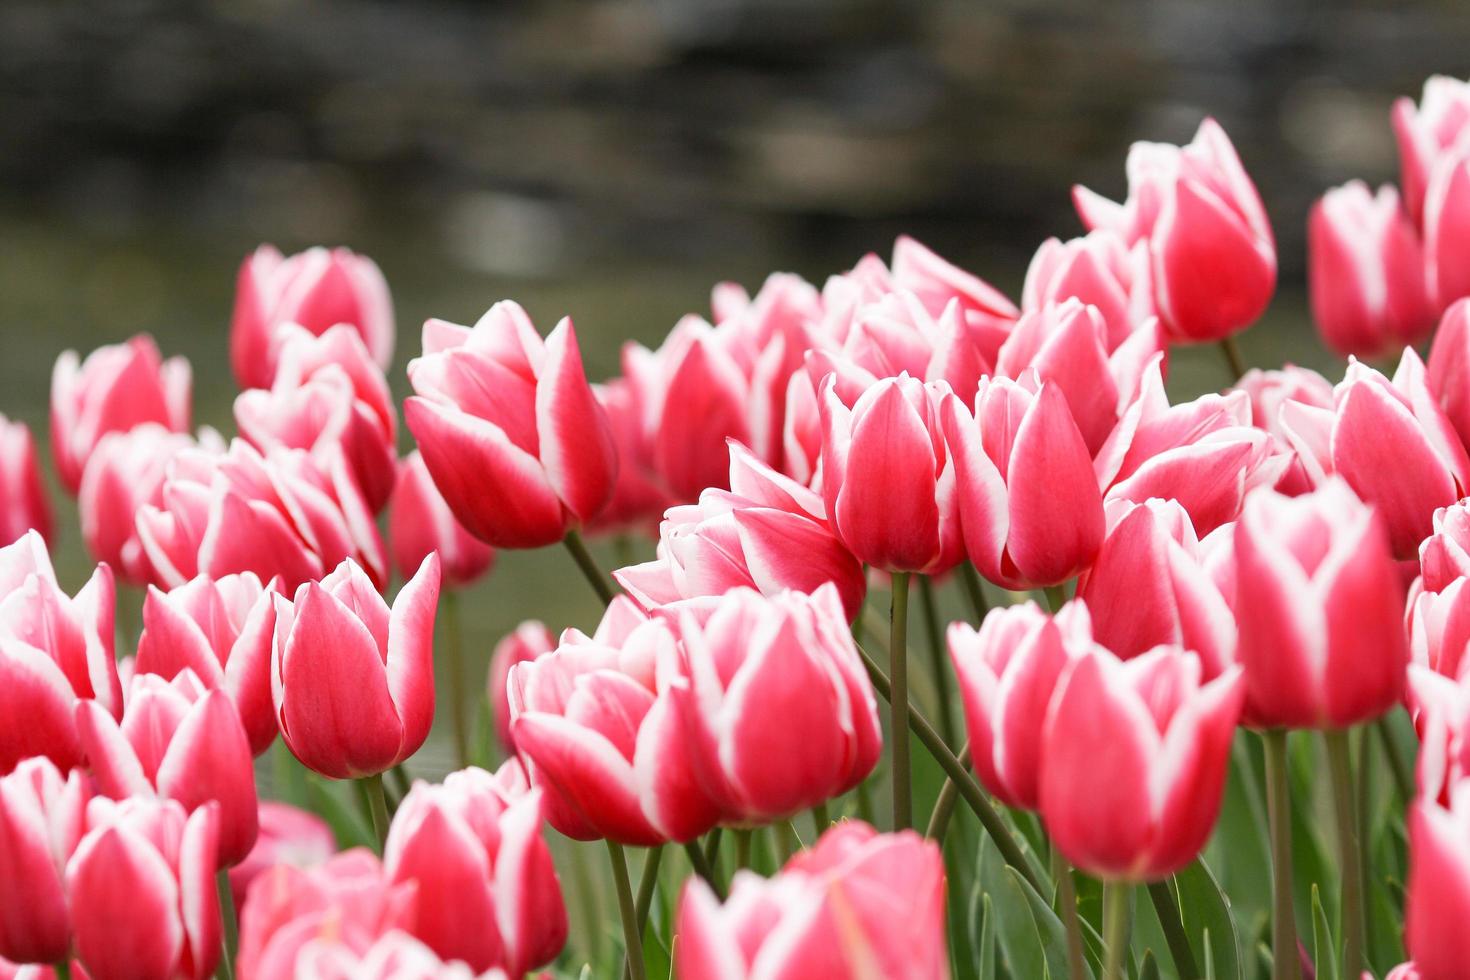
point(24, 505)
point(421, 522)
point(510, 429)
point(639, 497)
point(1211, 252)
point(1366, 272)
point(985, 310)
point(288, 835)
point(526, 642)
point(1437, 898)
point(1444, 556)
point(353, 681)
point(1439, 628)
point(1449, 366)
point(42, 818)
point(1028, 499)
point(54, 651)
point(859, 904)
point(1436, 129)
point(316, 289)
point(178, 741)
point(1100, 271)
point(1135, 756)
point(1268, 391)
point(1320, 610)
point(117, 388)
point(394, 955)
point(776, 703)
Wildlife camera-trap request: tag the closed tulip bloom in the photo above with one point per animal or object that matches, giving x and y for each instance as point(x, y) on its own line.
point(526, 642)
point(220, 630)
point(1437, 898)
point(420, 522)
point(1439, 628)
point(141, 891)
point(1098, 270)
point(510, 429)
point(54, 651)
point(1366, 272)
point(288, 835)
point(859, 904)
point(1028, 500)
point(392, 956)
point(317, 290)
point(1008, 671)
point(487, 891)
point(1135, 756)
point(887, 478)
point(353, 681)
point(117, 388)
point(24, 505)
point(1268, 391)
point(42, 818)
point(1212, 256)
point(1320, 610)
point(985, 310)
point(1449, 366)
point(639, 497)
point(1435, 129)
point(1445, 554)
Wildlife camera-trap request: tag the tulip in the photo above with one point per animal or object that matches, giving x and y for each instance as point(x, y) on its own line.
point(859, 904)
point(181, 742)
point(141, 891)
point(1135, 754)
point(421, 522)
point(1440, 708)
point(638, 498)
point(338, 352)
point(776, 704)
point(1319, 609)
point(54, 651)
point(288, 836)
point(487, 892)
point(42, 818)
point(1449, 366)
point(353, 681)
point(887, 479)
point(986, 311)
point(1008, 671)
point(24, 505)
point(1438, 128)
point(1212, 257)
point(1439, 628)
point(509, 428)
point(117, 388)
point(1100, 271)
point(392, 956)
point(1268, 391)
point(316, 289)
point(219, 630)
point(526, 642)
point(1437, 898)
point(1445, 554)
point(1366, 272)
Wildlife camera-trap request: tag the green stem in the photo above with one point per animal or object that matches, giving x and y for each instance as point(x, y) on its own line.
point(865, 801)
point(1284, 962)
point(401, 783)
point(742, 848)
point(230, 924)
point(1056, 597)
point(1115, 928)
point(944, 804)
point(1402, 780)
point(632, 937)
point(1233, 360)
point(898, 628)
point(937, 658)
point(787, 839)
point(589, 568)
point(1340, 764)
point(704, 867)
point(1061, 873)
point(458, 679)
point(974, 590)
point(62, 968)
point(372, 791)
point(646, 882)
point(821, 819)
point(1174, 934)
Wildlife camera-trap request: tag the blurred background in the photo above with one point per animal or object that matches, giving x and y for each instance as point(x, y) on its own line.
point(612, 159)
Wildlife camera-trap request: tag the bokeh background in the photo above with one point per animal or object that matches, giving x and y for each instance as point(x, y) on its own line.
point(612, 159)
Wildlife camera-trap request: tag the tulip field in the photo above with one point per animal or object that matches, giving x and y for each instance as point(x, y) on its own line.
point(945, 637)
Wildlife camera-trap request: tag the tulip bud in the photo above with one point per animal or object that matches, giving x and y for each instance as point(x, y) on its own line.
point(1445, 555)
point(1436, 128)
point(1269, 392)
point(353, 682)
point(392, 956)
point(986, 312)
point(1449, 366)
point(1100, 271)
point(421, 522)
point(638, 497)
point(1439, 628)
point(1437, 898)
point(42, 818)
point(24, 505)
point(289, 836)
point(526, 642)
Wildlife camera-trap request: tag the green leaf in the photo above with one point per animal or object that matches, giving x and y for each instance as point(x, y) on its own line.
point(1048, 928)
point(657, 958)
point(347, 823)
point(1149, 968)
point(1324, 950)
point(987, 940)
point(1205, 909)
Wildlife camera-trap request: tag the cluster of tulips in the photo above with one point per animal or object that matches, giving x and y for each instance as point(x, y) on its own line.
point(1222, 578)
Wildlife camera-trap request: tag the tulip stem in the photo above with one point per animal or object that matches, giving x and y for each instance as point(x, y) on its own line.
point(1061, 873)
point(632, 936)
point(969, 789)
point(944, 804)
point(821, 819)
point(458, 680)
point(646, 881)
point(1401, 777)
point(1056, 597)
point(1233, 360)
point(1173, 924)
point(898, 629)
point(62, 968)
point(372, 790)
point(742, 848)
point(703, 867)
point(589, 568)
point(937, 657)
point(231, 926)
point(1339, 763)
point(1115, 927)
point(974, 590)
point(1284, 964)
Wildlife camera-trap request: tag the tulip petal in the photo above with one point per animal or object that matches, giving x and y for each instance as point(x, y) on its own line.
point(410, 665)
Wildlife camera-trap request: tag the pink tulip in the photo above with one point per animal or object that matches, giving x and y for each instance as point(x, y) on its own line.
point(1439, 628)
point(1268, 391)
point(887, 479)
point(316, 289)
point(1150, 587)
point(220, 631)
point(1366, 272)
point(420, 522)
point(987, 313)
point(54, 651)
point(595, 723)
point(1008, 671)
point(1404, 971)
point(1440, 708)
point(487, 892)
point(24, 505)
point(1100, 271)
point(1028, 500)
point(1444, 556)
point(1205, 454)
point(141, 891)
point(1437, 898)
point(117, 388)
point(859, 904)
point(1135, 754)
point(181, 742)
point(526, 642)
point(1449, 366)
point(1319, 608)
point(776, 704)
point(353, 681)
point(510, 429)
point(42, 818)
point(392, 956)
point(639, 498)
point(1438, 128)
point(288, 835)
point(1211, 253)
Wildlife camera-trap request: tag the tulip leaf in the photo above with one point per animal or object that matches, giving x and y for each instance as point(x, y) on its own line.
point(1014, 928)
point(658, 961)
point(347, 823)
point(1324, 950)
point(986, 945)
point(1149, 968)
point(1206, 912)
point(1048, 928)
